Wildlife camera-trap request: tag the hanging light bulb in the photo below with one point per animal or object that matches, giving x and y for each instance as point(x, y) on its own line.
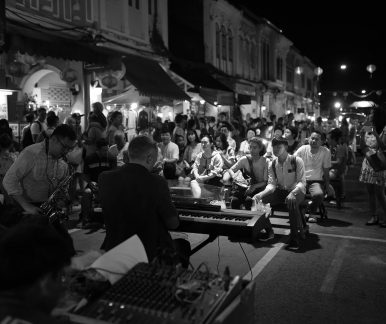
point(371, 68)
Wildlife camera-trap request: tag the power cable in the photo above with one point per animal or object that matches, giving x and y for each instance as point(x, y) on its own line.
point(249, 265)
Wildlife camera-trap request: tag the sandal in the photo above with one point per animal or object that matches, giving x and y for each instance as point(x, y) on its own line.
point(374, 220)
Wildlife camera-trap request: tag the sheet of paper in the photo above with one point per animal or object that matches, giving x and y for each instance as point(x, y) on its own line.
point(119, 260)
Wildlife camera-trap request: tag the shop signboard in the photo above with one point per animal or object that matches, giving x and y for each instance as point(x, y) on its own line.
point(3, 107)
point(15, 129)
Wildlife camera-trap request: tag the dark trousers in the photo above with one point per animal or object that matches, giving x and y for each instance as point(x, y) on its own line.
point(239, 197)
point(295, 216)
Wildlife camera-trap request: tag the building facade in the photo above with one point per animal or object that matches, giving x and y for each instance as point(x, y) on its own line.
point(64, 54)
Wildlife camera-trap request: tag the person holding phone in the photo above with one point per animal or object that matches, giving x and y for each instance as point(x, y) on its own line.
point(375, 181)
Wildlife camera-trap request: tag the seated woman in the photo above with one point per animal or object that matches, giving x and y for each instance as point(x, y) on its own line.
point(193, 147)
point(244, 146)
point(339, 157)
point(227, 154)
point(255, 167)
point(208, 165)
point(291, 135)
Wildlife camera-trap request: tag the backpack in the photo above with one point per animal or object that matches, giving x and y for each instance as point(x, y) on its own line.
point(27, 138)
point(293, 164)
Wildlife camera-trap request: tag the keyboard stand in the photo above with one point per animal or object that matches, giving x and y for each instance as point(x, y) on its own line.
point(210, 239)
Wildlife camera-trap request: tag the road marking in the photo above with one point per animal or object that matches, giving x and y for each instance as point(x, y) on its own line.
point(351, 237)
point(328, 284)
point(267, 258)
point(73, 230)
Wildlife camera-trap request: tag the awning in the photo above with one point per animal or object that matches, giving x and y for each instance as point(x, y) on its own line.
point(150, 79)
point(197, 74)
point(217, 97)
point(35, 42)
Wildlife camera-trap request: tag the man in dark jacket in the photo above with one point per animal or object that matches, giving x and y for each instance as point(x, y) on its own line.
point(135, 201)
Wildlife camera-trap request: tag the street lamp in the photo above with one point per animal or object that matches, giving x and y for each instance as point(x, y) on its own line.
point(337, 105)
point(363, 91)
point(343, 67)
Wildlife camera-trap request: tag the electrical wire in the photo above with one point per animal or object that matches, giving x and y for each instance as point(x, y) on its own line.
point(249, 265)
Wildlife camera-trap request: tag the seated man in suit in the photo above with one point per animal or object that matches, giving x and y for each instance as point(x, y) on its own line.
point(135, 201)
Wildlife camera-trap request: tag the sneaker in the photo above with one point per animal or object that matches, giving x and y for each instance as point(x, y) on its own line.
point(293, 244)
point(312, 220)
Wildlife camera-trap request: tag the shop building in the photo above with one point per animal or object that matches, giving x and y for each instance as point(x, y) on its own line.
point(66, 55)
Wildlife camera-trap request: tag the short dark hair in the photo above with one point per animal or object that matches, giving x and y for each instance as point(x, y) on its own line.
point(114, 115)
point(5, 141)
point(278, 141)
point(140, 146)
point(29, 118)
point(165, 129)
point(28, 252)
point(227, 125)
point(64, 131)
point(317, 132)
point(52, 120)
point(294, 131)
point(211, 119)
point(41, 109)
point(336, 134)
point(259, 142)
point(178, 119)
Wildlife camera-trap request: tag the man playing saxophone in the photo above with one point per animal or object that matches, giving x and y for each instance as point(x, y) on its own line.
point(39, 170)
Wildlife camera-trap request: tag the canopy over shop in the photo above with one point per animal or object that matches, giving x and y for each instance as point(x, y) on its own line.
point(150, 90)
point(209, 96)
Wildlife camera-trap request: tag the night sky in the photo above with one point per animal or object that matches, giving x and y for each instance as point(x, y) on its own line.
point(331, 34)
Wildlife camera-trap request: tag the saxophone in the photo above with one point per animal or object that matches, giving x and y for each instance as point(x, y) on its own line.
point(50, 207)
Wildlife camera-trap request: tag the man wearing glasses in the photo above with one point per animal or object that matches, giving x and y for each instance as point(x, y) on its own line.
point(39, 169)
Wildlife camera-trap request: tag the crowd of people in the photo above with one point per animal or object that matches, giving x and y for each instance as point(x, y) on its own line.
point(279, 161)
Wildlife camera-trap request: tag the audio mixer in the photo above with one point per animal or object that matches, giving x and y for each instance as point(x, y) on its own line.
point(153, 293)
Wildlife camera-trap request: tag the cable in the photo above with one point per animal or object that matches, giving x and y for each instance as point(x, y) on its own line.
point(249, 265)
point(218, 253)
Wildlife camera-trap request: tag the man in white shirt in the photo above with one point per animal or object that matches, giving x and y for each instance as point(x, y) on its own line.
point(286, 184)
point(169, 152)
point(39, 124)
point(317, 163)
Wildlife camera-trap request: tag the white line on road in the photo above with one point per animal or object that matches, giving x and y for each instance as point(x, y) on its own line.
point(351, 237)
point(73, 230)
point(267, 258)
point(332, 274)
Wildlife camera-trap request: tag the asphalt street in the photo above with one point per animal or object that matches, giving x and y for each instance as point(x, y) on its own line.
point(337, 276)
